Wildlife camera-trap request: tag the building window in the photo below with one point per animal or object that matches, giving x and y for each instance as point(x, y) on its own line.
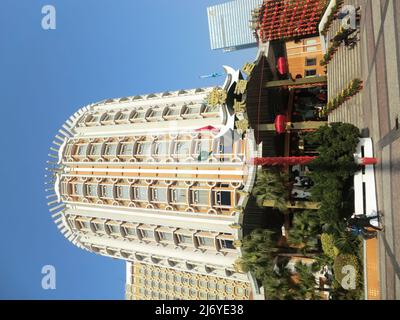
point(174, 111)
point(111, 251)
point(310, 73)
point(223, 198)
point(212, 285)
point(206, 242)
point(140, 194)
point(129, 230)
point(65, 188)
point(203, 145)
point(193, 282)
point(159, 194)
point(113, 228)
point(106, 191)
point(68, 150)
point(200, 197)
point(185, 279)
point(192, 109)
point(202, 284)
point(161, 148)
point(182, 148)
point(123, 192)
point(184, 239)
point(91, 190)
point(193, 293)
point(185, 291)
point(83, 224)
point(95, 149)
point(126, 149)
point(138, 115)
point(226, 244)
point(146, 233)
point(132, 115)
point(310, 45)
point(97, 249)
point(155, 113)
point(178, 279)
point(71, 222)
point(178, 196)
point(225, 146)
point(110, 149)
point(144, 148)
point(77, 189)
point(122, 116)
point(166, 236)
point(240, 291)
point(81, 150)
point(229, 289)
point(106, 118)
point(311, 62)
point(92, 119)
point(211, 109)
point(98, 226)
point(211, 296)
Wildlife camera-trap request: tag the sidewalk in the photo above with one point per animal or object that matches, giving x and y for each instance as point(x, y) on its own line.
point(376, 111)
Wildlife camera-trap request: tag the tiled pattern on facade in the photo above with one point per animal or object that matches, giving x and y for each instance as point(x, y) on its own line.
point(159, 283)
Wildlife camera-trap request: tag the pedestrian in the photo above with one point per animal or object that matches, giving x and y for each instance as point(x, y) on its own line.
point(363, 221)
point(365, 234)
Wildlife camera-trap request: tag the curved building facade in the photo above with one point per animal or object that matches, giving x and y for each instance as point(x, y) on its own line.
point(159, 180)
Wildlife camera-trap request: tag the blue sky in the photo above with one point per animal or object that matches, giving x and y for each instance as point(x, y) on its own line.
point(100, 49)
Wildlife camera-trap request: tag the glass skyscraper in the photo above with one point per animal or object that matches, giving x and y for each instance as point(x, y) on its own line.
point(229, 25)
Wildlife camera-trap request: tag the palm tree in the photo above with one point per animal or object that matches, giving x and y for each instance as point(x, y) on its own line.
point(268, 264)
point(271, 185)
point(258, 249)
point(305, 231)
point(277, 287)
point(272, 190)
point(306, 286)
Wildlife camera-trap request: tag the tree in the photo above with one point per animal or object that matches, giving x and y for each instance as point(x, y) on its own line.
point(265, 261)
point(307, 287)
point(258, 250)
point(305, 231)
point(332, 171)
point(338, 143)
point(272, 185)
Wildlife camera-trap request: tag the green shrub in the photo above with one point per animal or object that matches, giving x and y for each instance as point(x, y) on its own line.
point(343, 260)
point(328, 245)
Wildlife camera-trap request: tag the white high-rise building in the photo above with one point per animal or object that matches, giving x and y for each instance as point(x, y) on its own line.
point(159, 180)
